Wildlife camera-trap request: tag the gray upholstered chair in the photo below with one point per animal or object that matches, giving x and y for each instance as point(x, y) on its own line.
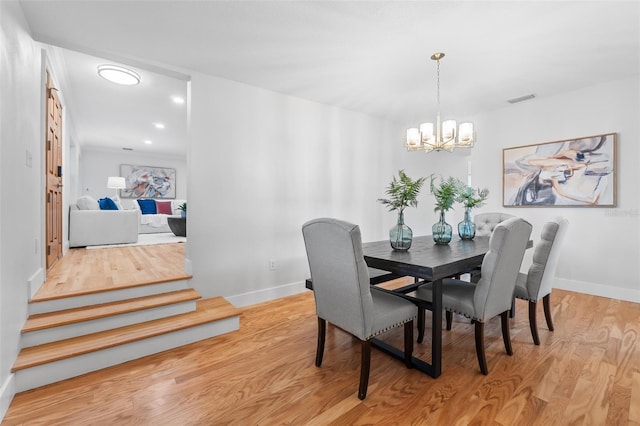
point(493, 294)
point(537, 283)
point(487, 222)
point(343, 295)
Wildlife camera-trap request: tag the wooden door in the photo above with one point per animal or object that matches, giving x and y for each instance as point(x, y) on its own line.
point(54, 176)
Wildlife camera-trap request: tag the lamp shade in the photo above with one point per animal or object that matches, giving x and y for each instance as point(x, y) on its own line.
point(116, 182)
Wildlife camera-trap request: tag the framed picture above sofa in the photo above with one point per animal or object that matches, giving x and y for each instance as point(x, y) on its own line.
point(148, 181)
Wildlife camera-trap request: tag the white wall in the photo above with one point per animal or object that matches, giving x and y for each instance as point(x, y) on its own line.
point(96, 165)
point(261, 164)
point(602, 243)
point(21, 185)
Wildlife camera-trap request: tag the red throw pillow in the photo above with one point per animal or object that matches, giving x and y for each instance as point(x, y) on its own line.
point(163, 207)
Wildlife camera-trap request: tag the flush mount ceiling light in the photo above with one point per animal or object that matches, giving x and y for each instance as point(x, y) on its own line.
point(148, 142)
point(447, 135)
point(158, 125)
point(119, 75)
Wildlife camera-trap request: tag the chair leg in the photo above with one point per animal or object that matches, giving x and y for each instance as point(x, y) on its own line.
point(512, 312)
point(322, 331)
point(546, 302)
point(408, 343)
point(365, 365)
point(482, 359)
point(449, 319)
point(533, 323)
point(506, 336)
point(421, 321)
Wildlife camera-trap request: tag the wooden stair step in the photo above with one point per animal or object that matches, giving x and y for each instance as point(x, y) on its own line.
point(207, 310)
point(70, 316)
point(86, 291)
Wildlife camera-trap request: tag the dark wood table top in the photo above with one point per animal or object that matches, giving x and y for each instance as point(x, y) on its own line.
point(426, 259)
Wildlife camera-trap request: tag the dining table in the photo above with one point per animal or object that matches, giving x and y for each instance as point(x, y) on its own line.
point(425, 261)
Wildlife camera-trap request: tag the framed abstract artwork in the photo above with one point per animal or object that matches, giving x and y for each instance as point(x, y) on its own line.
point(148, 182)
point(568, 173)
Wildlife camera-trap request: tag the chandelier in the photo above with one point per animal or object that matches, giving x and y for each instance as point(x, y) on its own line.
point(447, 135)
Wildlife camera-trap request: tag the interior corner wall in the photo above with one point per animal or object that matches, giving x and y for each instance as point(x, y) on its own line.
point(261, 164)
point(21, 182)
point(601, 243)
point(96, 165)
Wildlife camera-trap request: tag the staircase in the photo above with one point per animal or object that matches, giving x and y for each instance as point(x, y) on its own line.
point(65, 337)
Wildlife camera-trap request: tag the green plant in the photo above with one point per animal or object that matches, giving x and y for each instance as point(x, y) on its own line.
point(183, 207)
point(471, 198)
point(445, 193)
point(403, 192)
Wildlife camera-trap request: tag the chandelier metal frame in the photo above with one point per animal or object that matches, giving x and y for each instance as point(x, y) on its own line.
point(447, 135)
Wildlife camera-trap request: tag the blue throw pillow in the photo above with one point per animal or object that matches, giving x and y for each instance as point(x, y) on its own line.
point(147, 206)
point(107, 204)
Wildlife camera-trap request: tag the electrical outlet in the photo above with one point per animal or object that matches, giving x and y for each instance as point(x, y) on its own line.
point(272, 265)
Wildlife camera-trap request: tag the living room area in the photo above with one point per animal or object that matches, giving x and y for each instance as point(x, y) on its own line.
point(128, 198)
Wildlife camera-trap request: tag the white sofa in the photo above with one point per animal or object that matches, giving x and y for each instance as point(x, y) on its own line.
point(157, 223)
point(90, 226)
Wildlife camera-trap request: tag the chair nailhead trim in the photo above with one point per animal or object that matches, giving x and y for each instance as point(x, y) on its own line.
point(391, 327)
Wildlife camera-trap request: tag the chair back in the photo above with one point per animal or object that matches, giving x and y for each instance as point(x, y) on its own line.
point(545, 258)
point(500, 268)
point(487, 222)
point(339, 274)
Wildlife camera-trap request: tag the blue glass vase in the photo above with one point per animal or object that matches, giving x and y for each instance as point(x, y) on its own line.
point(466, 228)
point(442, 231)
point(400, 236)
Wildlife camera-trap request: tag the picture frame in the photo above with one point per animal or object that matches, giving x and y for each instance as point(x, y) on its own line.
point(577, 172)
point(148, 181)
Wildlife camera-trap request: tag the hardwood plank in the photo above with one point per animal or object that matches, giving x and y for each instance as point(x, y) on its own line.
point(87, 313)
point(83, 271)
point(634, 410)
point(207, 310)
point(265, 374)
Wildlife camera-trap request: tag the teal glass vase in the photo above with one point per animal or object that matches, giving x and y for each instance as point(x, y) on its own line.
point(466, 228)
point(400, 236)
point(442, 231)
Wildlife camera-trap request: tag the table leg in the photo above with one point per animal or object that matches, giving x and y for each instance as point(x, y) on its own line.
point(436, 328)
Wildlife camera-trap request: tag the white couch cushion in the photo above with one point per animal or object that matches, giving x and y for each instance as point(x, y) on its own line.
point(87, 203)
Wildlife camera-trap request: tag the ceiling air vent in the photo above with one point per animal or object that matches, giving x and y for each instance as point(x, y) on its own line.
point(127, 149)
point(521, 99)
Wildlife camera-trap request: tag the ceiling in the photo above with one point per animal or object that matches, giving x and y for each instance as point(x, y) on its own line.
point(365, 56)
point(111, 116)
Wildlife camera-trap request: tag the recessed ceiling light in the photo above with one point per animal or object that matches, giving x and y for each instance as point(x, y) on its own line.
point(158, 125)
point(148, 142)
point(177, 99)
point(119, 75)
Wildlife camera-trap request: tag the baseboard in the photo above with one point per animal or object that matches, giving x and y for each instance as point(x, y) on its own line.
point(612, 292)
point(35, 282)
point(7, 392)
point(265, 295)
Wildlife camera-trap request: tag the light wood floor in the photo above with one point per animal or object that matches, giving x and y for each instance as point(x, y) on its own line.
point(586, 372)
point(83, 271)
